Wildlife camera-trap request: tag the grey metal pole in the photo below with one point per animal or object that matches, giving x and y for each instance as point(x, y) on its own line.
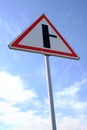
point(53, 120)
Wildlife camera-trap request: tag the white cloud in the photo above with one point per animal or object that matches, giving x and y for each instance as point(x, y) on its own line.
point(7, 108)
point(68, 123)
point(11, 89)
point(25, 120)
point(11, 92)
point(80, 105)
point(68, 97)
point(30, 120)
point(72, 90)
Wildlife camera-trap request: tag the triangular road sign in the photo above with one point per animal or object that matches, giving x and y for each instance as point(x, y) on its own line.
point(43, 37)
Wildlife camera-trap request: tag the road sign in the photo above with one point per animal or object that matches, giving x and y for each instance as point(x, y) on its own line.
point(43, 37)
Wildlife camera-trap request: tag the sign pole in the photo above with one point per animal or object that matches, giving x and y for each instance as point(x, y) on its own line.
point(50, 93)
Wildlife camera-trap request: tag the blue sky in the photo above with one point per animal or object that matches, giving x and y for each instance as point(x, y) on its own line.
point(24, 103)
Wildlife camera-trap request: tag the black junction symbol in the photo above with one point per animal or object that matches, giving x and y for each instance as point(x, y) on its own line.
point(46, 35)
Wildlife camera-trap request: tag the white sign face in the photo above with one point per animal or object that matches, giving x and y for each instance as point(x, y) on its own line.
point(42, 37)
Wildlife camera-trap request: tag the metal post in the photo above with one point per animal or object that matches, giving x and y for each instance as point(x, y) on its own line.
point(50, 93)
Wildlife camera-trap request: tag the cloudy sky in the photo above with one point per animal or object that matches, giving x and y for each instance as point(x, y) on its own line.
point(24, 103)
